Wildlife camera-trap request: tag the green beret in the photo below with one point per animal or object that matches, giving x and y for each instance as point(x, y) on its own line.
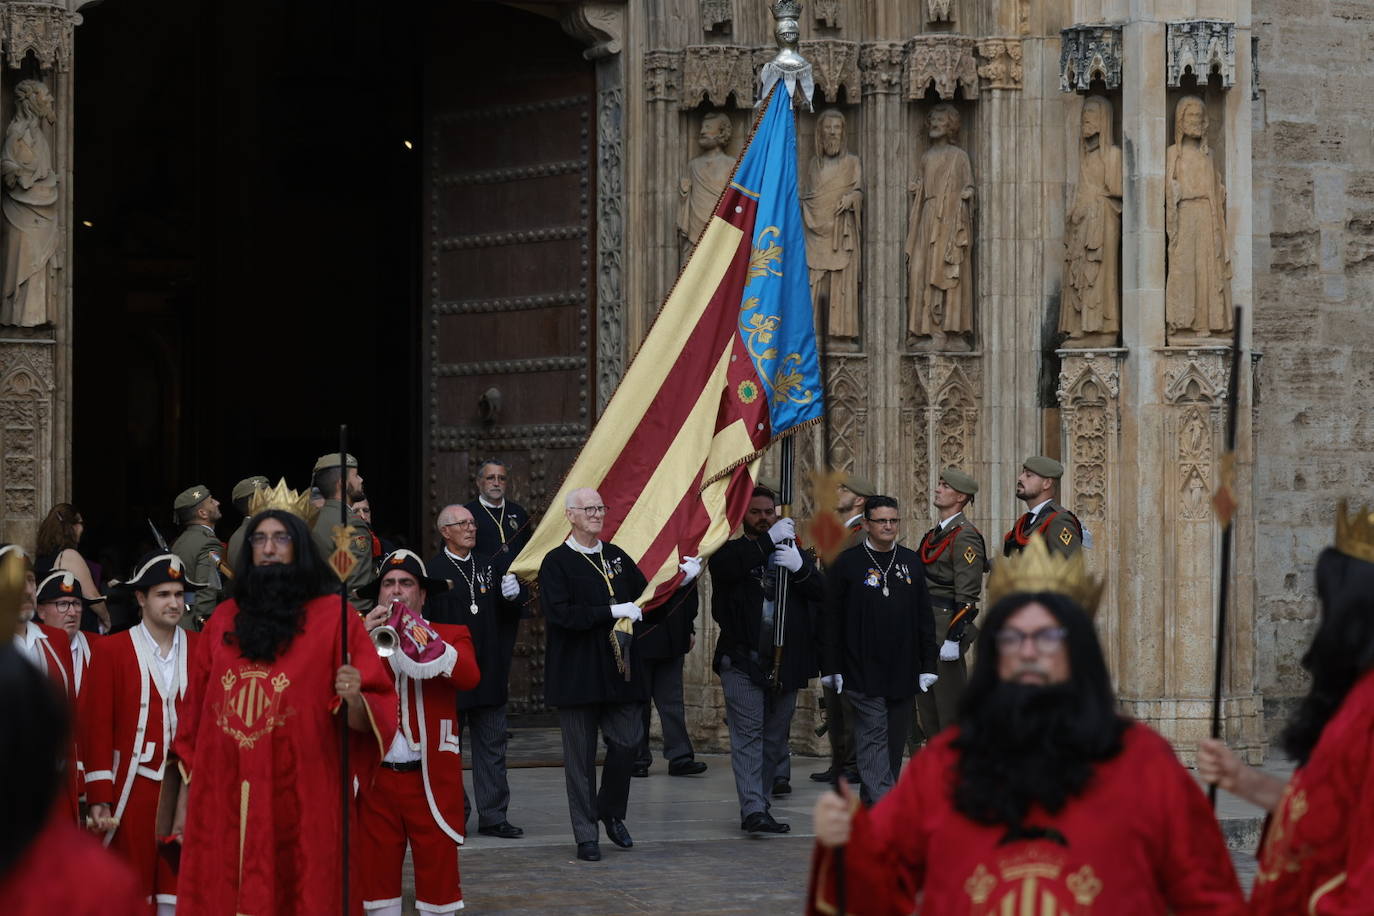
point(1045, 467)
point(192, 496)
point(325, 462)
point(248, 486)
point(959, 481)
point(859, 486)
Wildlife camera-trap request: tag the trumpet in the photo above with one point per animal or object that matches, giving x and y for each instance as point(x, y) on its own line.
point(384, 638)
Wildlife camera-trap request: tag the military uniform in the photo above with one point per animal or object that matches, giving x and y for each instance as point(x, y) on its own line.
point(360, 541)
point(954, 555)
point(243, 490)
point(1062, 531)
point(201, 551)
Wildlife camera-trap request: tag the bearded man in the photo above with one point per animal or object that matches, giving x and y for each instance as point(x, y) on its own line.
point(1041, 797)
point(258, 739)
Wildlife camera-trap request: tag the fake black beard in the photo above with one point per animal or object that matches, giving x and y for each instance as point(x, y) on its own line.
point(271, 603)
point(1030, 745)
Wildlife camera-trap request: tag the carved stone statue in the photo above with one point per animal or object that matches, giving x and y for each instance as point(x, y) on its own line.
point(1197, 289)
point(832, 207)
point(30, 207)
point(1090, 312)
point(707, 176)
point(939, 239)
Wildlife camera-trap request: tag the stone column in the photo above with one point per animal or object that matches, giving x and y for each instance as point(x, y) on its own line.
point(35, 355)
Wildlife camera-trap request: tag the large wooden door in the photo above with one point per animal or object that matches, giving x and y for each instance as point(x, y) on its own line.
point(509, 229)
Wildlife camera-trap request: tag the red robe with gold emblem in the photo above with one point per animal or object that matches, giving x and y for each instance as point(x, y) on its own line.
point(1317, 855)
point(1141, 840)
point(259, 745)
point(127, 717)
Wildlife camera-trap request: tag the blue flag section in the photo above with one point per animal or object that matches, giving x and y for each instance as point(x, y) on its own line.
point(776, 321)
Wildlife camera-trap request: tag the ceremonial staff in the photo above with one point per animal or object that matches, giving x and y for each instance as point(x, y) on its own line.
point(342, 569)
point(1224, 502)
point(779, 616)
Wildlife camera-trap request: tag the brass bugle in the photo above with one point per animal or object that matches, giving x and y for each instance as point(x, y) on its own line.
point(385, 639)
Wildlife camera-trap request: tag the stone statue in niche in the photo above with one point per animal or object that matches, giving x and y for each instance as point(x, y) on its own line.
point(1197, 288)
point(1090, 311)
point(832, 210)
point(30, 207)
point(939, 239)
point(707, 176)
point(940, 10)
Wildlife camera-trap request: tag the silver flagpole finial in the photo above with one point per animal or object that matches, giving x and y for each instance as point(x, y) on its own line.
point(787, 65)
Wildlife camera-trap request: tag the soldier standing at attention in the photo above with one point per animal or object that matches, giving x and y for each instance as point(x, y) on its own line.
point(241, 495)
point(1036, 487)
point(337, 493)
point(200, 550)
point(955, 557)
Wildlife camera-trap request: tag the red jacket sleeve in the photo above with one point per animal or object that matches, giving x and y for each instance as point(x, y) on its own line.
point(465, 674)
point(200, 655)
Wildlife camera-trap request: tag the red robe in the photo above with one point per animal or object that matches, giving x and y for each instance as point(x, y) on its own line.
point(259, 746)
point(1142, 840)
point(1317, 855)
point(125, 737)
point(54, 656)
point(65, 870)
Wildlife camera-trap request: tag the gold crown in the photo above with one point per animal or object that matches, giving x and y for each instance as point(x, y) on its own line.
point(284, 498)
point(1355, 533)
point(1035, 569)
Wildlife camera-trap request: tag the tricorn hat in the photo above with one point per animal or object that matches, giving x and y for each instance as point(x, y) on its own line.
point(61, 583)
point(407, 561)
point(158, 569)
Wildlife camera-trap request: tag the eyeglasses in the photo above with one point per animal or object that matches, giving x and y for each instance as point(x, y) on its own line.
point(67, 604)
point(279, 538)
point(884, 521)
point(466, 523)
point(1047, 640)
point(591, 510)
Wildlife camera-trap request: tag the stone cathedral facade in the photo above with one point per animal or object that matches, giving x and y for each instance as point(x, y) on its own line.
point(1029, 222)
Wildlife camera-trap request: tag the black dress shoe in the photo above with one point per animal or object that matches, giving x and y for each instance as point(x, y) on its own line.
point(762, 822)
point(687, 768)
point(505, 830)
point(616, 832)
point(589, 851)
point(781, 787)
point(824, 776)
point(640, 769)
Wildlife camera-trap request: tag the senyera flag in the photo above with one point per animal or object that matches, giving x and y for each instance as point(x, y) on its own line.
point(728, 366)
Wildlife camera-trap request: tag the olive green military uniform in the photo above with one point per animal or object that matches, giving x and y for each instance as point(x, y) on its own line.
point(360, 545)
point(1061, 529)
point(955, 558)
point(244, 489)
point(200, 552)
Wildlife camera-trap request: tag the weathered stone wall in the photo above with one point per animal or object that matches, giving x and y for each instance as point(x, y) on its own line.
point(1314, 309)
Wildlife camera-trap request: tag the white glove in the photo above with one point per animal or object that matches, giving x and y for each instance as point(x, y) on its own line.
point(691, 568)
point(949, 651)
point(926, 680)
point(788, 557)
point(784, 529)
point(835, 682)
point(629, 611)
point(510, 586)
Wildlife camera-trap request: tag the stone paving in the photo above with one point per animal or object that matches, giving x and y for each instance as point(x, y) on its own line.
point(689, 855)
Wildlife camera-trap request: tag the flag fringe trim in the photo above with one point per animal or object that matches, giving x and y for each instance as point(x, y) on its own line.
point(758, 453)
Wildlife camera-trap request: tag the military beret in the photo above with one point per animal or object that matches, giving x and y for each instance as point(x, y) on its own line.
point(248, 486)
point(1045, 467)
point(859, 486)
point(325, 462)
point(192, 496)
point(61, 584)
point(959, 481)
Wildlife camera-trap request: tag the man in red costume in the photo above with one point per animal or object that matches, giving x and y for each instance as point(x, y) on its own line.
point(127, 716)
point(1041, 798)
point(258, 737)
point(47, 649)
point(1317, 852)
point(418, 794)
point(60, 606)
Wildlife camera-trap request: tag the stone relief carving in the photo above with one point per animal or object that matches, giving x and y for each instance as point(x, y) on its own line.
point(1194, 461)
point(828, 13)
point(1090, 305)
point(1089, 52)
point(1198, 280)
point(610, 232)
point(715, 14)
point(1200, 47)
point(1086, 394)
point(26, 447)
point(943, 61)
point(956, 421)
point(707, 175)
point(662, 76)
point(717, 72)
point(914, 417)
point(939, 239)
point(832, 211)
point(1001, 63)
point(29, 200)
point(880, 67)
point(848, 403)
point(835, 65)
point(599, 24)
point(42, 28)
point(1196, 377)
point(939, 10)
